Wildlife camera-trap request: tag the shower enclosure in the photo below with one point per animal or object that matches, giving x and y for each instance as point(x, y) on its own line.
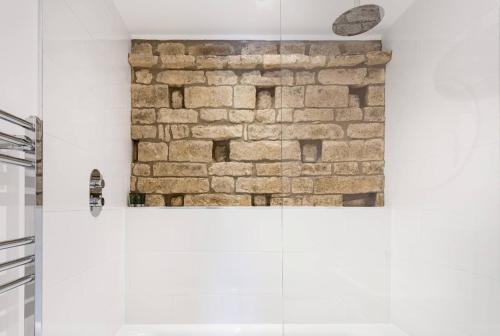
point(295, 181)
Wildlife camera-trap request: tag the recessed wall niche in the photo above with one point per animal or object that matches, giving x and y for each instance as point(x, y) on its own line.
point(233, 123)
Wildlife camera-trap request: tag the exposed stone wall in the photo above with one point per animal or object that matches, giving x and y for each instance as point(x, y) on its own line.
point(258, 123)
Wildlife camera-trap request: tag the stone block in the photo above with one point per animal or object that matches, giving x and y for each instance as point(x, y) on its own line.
point(191, 151)
point(304, 78)
point(241, 116)
point(375, 76)
point(150, 95)
point(172, 185)
point(155, 200)
point(265, 116)
point(217, 200)
point(327, 96)
point(171, 48)
point(312, 131)
point(142, 61)
point(143, 76)
point(372, 168)
point(346, 168)
point(313, 115)
point(374, 114)
point(365, 131)
point(177, 116)
point(211, 115)
point(264, 99)
point(244, 62)
point(143, 132)
point(348, 184)
point(262, 185)
point(143, 116)
point(152, 151)
point(179, 169)
point(349, 114)
point(264, 132)
point(289, 97)
point(268, 79)
point(245, 96)
point(311, 151)
point(217, 132)
point(221, 77)
point(181, 77)
point(378, 57)
point(222, 184)
point(354, 76)
point(302, 185)
point(141, 169)
point(211, 48)
point(322, 200)
point(289, 47)
point(199, 96)
point(316, 169)
point(230, 169)
point(345, 61)
point(375, 95)
point(260, 48)
point(211, 62)
point(355, 150)
point(143, 48)
point(278, 169)
point(177, 62)
point(180, 131)
point(265, 150)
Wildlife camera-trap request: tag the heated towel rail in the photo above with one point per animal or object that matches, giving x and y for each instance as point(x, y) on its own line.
point(25, 151)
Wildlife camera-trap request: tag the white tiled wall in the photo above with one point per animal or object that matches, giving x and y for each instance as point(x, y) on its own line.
point(86, 119)
point(443, 168)
point(19, 96)
point(225, 265)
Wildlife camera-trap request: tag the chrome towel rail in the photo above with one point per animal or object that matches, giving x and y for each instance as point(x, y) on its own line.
point(19, 143)
point(17, 262)
point(17, 161)
point(16, 283)
point(16, 242)
point(16, 120)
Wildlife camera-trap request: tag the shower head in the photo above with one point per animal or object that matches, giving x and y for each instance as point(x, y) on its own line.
point(358, 20)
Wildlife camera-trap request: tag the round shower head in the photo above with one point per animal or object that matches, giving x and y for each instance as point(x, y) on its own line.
point(358, 20)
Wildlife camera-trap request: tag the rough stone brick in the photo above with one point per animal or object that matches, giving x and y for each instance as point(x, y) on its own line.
point(241, 116)
point(152, 151)
point(179, 169)
point(313, 115)
point(327, 96)
point(177, 62)
point(264, 132)
point(346, 168)
point(217, 132)
point(177, 116)
point(143, 48)
point(355, 150)
point(191, 151)
point(143, 76)
point(348, 184)
point(284, 115)
point(211, 48)
point(149, 95)
point(133, 183)
point(143, 132)
point(344, 47)
point(171, 48)
point(172, 185)
point(265, 116)
point(354, 76)
point(374, 114)
point(345, 60)
point(177, 201)
point(143, 116)
point(177, 99)
point(349, 114)
point(265, 150)
point(142, 61)
point(287, 48)
point(375, 95)
point(180, 131)
point(316, 169)
point(164, 132)
point(260, 48)
point(259, 200)
point(222, 184)
point(302, 185)
point(378, 57)
point(312, 131)
point(213, 114)
point(304, 77)
point(268, 79)
point(155, 200)
point(141, 169)
point(310, 152)
point(289, 96)
point(327, 200)
point(230, 169)
point(365, 131)
point(211, 62)
point(354, 101)
point(373, 168)
point(244, 96)
point(198, 96)
point(244, 61)
point(264, 100)
point(278, 169)
point(262, 185)
point(221, 77)
point(375, 76)
point(286, 201)
point(217, 200)
point(181, 77)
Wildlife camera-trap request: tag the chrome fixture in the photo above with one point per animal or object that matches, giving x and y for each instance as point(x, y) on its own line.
point(358, 20)
point(26, 151)
point(96, 184)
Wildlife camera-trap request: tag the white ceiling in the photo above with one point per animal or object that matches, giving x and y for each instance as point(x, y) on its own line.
point(246, 19)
